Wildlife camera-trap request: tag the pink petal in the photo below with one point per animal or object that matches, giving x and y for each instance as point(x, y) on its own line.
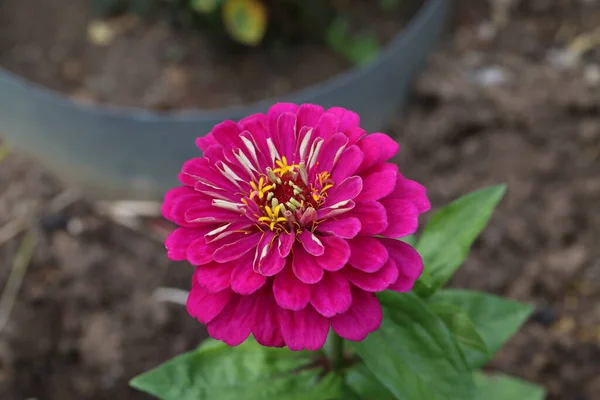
point(227, 134)
point(214, 276)
point(205, 142)
point(273, 117)
point(367, 254)
point(207, 213)
point(331, 295)
point(373, 282)
point(347, 190)
point(204, 305)
point(267, 260)
point(178, 241)
point(311, 243)
point(233, 251)
point(402, 217)
point(234, 323)
point(337, 253)
point(305, 329)
point(290, 293)
point(243, 278)
point(305, 266)
point(308, 115)
point(355, 134)
point(204, 171)
point(348, 163)
point(345, 228)
point(379, 183)
point(286, 133)
point(286, 240)
point(412, 191)
point(255, 130)
point(348, 119)
point(199, 252)
point(378, 147)
point(336, 210)
point(265, 326)
point(331, 151)
point(326, 126)
point(177, 202)
point(363, 317)
point(191, 171)
point(408, 261)
point(372, 216)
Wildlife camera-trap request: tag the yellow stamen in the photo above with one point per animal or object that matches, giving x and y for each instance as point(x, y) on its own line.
point(284, 167)
point(272, 218)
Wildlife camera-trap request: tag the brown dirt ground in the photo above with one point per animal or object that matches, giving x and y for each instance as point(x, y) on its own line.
point(485, 111)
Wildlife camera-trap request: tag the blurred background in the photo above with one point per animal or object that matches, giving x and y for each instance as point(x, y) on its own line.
point(511, 95)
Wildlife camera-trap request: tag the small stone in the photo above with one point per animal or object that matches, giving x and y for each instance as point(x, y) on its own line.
point(54, 222)
point(101, 33)
point(562, 59)
point(591, 74)
point(490, 76)
point(544, 317)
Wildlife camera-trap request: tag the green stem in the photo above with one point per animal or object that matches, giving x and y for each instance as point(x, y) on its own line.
point(337, 352)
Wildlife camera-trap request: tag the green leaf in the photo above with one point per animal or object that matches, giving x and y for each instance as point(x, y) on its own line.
point(358, 48)
point(249, 371)
point(245, 20)
point(413, 354)
point(204, 6)
point(503, 387)
point(496, 318)
point(465, 332)
point(362, 48)
point(365, 385)
point(447, 238)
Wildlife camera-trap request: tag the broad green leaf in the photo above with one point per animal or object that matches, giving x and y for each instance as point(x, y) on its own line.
point(349, 394)
point(496, 318)
point(449, 234)
point(503, 387)
point(356, 48)
point(249, 371)
point(465, 332)
point(365, 385)
point(362, 48)
point(245, 20)
point(204, 6)
point(413, 354)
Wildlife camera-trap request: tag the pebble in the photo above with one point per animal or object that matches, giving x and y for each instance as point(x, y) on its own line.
point(544, 317)
point(490, 76)
point(591, 74)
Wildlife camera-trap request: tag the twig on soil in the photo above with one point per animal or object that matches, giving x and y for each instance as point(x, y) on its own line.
point(171, 295)
point(4, 151)
point(129, 213)
point(15, 279)
point(19, 224)
point(584, 42)
point(13, 228)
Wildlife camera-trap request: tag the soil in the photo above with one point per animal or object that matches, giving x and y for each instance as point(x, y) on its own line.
point(487, 109)
point(152, 64)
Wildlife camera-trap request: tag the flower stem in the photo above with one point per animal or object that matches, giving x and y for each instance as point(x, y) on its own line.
point(337, 352)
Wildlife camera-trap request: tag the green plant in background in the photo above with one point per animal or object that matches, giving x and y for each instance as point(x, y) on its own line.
point(430, 346)
point(248, 22)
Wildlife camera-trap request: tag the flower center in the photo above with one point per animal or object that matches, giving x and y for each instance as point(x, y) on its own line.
point(286, 198)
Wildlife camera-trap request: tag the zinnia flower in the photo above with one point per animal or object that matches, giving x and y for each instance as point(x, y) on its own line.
point(291, 219)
